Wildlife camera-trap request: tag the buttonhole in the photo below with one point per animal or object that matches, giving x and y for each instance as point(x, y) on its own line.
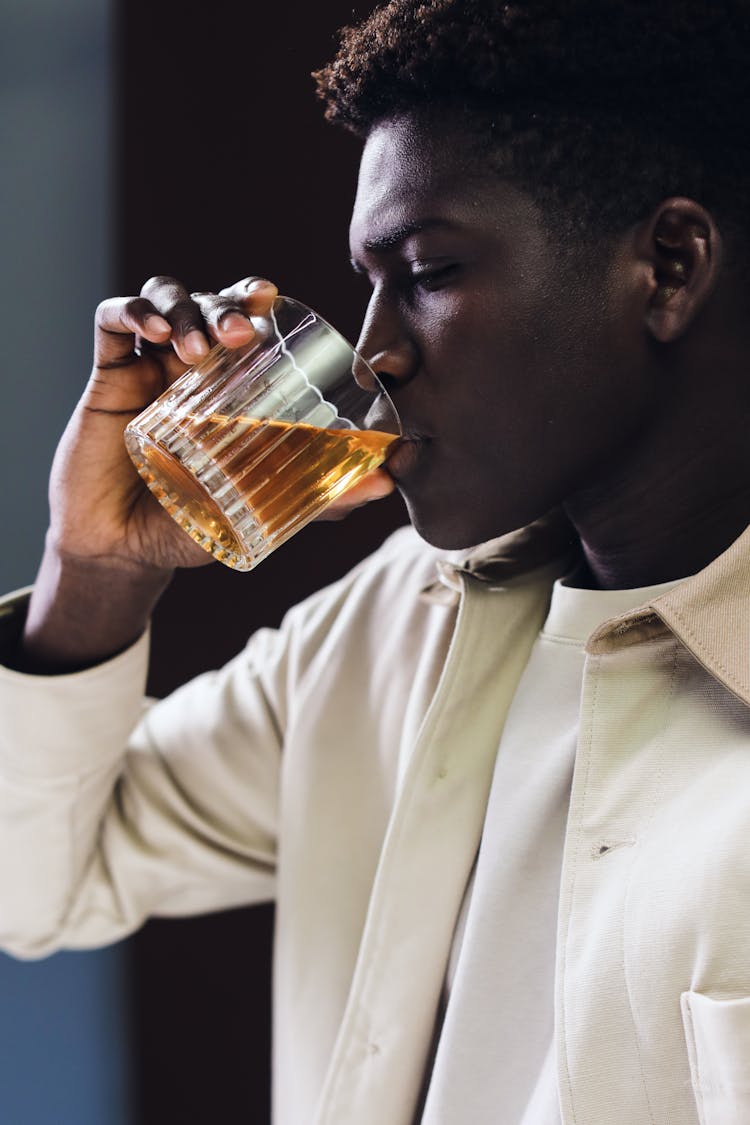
point(606, 846)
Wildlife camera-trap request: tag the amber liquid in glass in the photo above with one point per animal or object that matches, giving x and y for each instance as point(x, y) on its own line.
point(240, 486)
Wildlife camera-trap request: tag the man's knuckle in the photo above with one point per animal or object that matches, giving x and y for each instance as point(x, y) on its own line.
point(134, 306)
point(158, 281)
point(103, 310)
point(185, 310)
point(225, 305)
point(239, 288)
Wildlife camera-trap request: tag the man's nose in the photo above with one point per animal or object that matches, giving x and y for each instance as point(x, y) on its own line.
point(385, 345)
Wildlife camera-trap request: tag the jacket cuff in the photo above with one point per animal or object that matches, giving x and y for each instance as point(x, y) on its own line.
point(73, 723)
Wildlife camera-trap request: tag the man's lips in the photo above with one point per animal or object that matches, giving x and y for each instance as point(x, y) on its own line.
point(405, 456)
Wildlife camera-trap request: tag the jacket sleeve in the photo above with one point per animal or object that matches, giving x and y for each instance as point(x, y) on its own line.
point(112, 808)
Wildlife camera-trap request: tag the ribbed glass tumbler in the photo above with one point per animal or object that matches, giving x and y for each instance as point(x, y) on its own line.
point(251, 444)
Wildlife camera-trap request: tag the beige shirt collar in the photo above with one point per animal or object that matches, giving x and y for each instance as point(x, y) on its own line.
point(708, 612)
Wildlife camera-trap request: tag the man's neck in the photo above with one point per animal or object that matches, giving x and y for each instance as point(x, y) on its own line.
point(635, 534)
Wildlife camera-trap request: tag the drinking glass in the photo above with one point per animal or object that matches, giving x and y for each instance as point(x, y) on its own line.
point(252, 443)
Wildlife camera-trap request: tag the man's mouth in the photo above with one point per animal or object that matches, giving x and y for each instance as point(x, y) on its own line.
point(405, 456)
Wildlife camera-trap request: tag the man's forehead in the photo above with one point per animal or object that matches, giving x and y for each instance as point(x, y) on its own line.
point(394, 185)
point(417, 174)
point(404, 177)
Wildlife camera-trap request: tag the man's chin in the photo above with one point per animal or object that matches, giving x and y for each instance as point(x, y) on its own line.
point(451, 525)
point(449, 533)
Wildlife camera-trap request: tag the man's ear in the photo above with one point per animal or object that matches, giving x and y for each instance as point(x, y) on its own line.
point(681, 247)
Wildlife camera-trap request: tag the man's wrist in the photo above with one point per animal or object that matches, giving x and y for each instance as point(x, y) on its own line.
point(84, 611)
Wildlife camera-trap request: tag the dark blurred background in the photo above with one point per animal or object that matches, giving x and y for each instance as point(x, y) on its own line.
point(141, 140)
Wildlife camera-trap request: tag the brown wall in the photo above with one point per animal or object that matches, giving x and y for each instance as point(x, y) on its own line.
point(226, 168)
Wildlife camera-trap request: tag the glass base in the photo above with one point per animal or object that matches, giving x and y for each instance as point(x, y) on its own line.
point(191, 506)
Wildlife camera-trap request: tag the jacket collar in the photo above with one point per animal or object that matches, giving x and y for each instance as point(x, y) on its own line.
point(708, 612)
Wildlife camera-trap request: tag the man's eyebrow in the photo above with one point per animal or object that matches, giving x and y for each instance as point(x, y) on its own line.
point(400, 233)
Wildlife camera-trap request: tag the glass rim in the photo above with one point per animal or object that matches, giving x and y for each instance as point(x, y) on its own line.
point(334, 331)
point(340, 336)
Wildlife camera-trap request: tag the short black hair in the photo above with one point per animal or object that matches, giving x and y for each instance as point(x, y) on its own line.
point(598, 108)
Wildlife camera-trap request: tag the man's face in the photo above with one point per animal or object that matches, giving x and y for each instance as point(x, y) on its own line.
point(520, 382)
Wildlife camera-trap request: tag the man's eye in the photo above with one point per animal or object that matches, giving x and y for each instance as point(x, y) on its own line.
point(434, 277)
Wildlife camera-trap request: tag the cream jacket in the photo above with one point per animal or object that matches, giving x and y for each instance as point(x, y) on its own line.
point(342, 765)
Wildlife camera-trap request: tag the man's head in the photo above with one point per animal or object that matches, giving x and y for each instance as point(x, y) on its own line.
point(591, 190)
point(597, 108)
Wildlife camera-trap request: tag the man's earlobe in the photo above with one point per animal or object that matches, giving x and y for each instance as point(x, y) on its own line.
point(683, 246)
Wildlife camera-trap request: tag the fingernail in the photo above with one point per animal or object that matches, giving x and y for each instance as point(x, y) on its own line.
point(235, 322)
point(196, 343)
point(157, 324)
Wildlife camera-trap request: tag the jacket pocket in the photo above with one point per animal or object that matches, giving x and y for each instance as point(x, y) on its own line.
point(718, 1042)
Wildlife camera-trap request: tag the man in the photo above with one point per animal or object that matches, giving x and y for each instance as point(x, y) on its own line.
point(500, 794)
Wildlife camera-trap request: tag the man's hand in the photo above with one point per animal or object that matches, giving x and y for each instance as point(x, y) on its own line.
point(99, 507)
point(111, 547)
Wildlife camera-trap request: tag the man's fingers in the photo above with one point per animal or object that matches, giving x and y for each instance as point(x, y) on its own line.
point(227, 313)
point(176, 327)
point(254, 295)
point(199, 319)
point(165, 313)
point(375, 486)
point(255, 292)
point(171, 299)
point(226, 320)
point(118, 322)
